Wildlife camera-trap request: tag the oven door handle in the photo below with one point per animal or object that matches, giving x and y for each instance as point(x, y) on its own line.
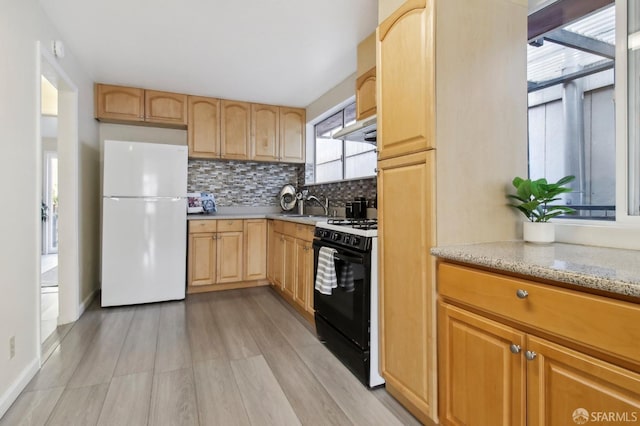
point(349, 259)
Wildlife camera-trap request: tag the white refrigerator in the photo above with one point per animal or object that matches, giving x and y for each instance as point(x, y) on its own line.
point(144, 223)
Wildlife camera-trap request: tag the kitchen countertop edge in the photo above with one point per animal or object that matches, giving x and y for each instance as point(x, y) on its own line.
point(610, 270)
point(240, 216)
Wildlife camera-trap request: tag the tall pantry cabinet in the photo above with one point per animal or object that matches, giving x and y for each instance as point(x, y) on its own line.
point(451, 78)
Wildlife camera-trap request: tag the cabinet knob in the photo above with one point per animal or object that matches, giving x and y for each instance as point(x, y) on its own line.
point(530, 355)
point(522, 294)
point(515, 349)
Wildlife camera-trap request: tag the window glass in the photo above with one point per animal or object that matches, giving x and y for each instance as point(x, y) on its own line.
point(337, 160)
point(572, 112)
point(633, 60)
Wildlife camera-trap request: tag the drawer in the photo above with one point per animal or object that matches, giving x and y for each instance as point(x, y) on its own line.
point(289, 229)
point(277, 226)
point(305, 232)
point(232, 225)
point(604, 324)
point(196, 226)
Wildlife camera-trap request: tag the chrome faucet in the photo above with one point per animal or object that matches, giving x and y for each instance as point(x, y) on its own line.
point(325, 206)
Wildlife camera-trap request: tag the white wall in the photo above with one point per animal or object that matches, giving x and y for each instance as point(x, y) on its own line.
point(22, 24)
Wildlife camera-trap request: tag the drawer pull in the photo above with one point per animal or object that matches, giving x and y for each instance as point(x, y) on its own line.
point(530, 355)
point(522, 294)
point(515, 349)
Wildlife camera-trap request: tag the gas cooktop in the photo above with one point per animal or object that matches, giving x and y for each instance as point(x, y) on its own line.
point(362, 227)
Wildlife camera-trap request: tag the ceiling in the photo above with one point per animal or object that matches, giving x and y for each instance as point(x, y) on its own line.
point(283, 52)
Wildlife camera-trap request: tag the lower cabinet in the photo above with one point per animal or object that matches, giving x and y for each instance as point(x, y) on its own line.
point(503, 364)
point(225, 254)
point(290, 265)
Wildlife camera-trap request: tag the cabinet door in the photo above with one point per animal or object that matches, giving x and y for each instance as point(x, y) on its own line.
point(301, 293)
point(292, 135)
point(290, 266)
point(406, 80)
point(277, 260)
point(265, 132)
point(366, 94)
point(566, 387)
point(235, 129)
point(255, 249)
point(203, 131)
point(230, 253)
point(165, 108)
point(202, 259)
point(406, 277)
point(119, 103)
point(307, 276)
point(482, 381)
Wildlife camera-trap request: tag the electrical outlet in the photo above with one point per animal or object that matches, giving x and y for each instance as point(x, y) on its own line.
point(12, 347)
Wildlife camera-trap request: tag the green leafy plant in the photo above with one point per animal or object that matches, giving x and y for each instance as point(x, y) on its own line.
point(533, 198)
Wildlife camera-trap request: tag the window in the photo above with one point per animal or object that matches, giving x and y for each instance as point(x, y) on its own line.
point(572, 117)
point(337, 160)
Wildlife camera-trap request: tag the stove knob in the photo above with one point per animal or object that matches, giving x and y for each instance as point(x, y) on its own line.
point(355, 241)
point(345, 239)
point(335, 236)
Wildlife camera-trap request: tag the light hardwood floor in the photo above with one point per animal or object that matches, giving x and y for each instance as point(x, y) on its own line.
point(240, 357)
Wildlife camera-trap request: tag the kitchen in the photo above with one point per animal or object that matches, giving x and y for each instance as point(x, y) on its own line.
point(482, 123)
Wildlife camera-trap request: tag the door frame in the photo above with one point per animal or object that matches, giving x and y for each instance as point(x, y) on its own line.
point(68, 182)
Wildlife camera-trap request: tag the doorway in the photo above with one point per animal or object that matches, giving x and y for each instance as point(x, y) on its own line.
point(49, 210)
point(57, 156)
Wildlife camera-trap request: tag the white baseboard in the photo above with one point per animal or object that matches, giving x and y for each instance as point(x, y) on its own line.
point(86, 302)
point(18, 386)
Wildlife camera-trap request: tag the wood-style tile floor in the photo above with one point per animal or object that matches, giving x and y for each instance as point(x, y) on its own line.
point(238, 357)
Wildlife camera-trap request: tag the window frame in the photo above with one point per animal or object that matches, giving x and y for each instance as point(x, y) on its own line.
point(624, 232)
point(311, 146)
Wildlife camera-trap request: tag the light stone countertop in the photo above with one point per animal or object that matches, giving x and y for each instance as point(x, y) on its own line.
point(306, 220)
point(606, 269)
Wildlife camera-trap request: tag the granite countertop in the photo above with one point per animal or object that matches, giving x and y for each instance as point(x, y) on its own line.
point(306, 219)
point(606, 269)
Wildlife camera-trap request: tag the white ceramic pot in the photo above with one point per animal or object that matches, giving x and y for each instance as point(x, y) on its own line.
point(538, 232)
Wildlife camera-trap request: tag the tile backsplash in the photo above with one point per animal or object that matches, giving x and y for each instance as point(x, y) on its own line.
point(241, 183)
point(341, 192)
point(255, 184)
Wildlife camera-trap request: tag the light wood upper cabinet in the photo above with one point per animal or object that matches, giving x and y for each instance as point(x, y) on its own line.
point(405, 293)
point(203, 130)
point(406, 80)
point(366, 78)
point(265, 132)
point(255, 249)
point(235, 130)
point(366, 94)
point(165, 108)
point(119, 103)
point(292, 135)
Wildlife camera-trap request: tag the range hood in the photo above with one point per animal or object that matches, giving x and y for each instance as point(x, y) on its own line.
point(360, 131)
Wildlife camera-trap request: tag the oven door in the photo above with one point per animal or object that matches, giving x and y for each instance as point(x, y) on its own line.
point(347, 308)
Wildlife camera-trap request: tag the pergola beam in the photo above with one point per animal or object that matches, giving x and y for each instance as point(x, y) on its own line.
point(581, 42)
point(587, 70)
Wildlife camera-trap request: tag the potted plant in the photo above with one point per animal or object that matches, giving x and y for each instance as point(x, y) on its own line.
point(533, 198)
